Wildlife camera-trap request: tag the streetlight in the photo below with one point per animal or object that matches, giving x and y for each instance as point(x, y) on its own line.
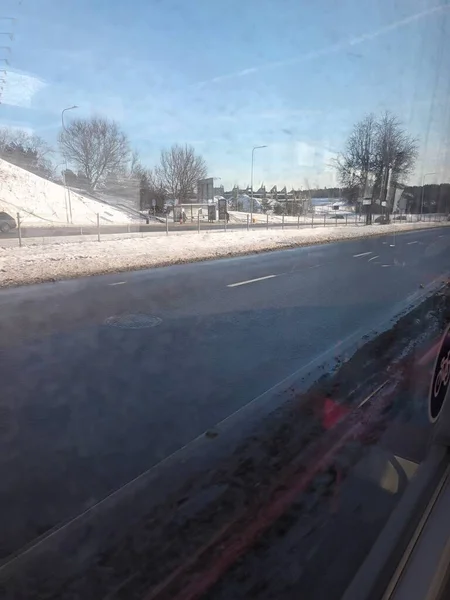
point(69, 214)
point(251, 182)
point(423, 190)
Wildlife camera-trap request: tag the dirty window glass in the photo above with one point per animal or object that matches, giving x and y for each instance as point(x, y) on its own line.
point(224, 266)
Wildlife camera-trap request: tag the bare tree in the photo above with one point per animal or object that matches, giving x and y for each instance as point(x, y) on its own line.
point(26, 150)
point(136, 167)
point(396, 153)
point(377, 152)
point(152, 192)
point(357, 162)
point(97, 147)
point(179, 170)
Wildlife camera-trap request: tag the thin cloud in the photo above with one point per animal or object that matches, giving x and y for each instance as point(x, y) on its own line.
point(355, 41)
point(269, 115)
point(20, 89)
point(16, 127)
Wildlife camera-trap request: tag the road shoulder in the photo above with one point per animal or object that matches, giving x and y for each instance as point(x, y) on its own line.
point(57, 261)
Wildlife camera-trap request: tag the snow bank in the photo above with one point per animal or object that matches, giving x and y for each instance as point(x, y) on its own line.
point(31, 264)
point(42, 202)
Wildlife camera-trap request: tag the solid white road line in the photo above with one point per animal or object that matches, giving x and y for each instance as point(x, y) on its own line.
point(373, 258)
point(117, 283)
point(251, 281)
point(409, 243)
point(362, 254)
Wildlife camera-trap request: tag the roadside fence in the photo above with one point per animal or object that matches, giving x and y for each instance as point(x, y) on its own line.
point(25, 234)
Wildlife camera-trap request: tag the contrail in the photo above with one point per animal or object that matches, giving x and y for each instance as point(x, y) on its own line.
point(365, 37)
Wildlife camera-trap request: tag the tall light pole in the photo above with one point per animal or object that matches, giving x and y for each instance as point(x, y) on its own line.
point(251, 182)
point(423, 190)
point(69, 214)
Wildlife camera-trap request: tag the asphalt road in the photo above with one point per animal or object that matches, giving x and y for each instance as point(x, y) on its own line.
point(86, 405)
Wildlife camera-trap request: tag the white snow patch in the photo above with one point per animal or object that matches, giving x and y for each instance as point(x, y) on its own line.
point(241, 217)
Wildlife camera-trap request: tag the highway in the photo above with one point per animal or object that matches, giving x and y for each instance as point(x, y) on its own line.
point(106, 376)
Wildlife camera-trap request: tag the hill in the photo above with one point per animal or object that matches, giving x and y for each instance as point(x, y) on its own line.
point(42, 202)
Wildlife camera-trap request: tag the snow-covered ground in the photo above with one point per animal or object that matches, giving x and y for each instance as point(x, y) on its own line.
point(327, 213)
point(43, 203)
point(36, 263)
point(241, 217)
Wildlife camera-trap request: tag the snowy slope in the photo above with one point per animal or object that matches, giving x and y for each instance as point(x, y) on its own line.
point(41, 202)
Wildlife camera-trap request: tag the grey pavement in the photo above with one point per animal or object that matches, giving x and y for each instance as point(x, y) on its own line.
point(87, 406)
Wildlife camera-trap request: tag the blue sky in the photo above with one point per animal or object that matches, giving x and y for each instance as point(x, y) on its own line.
point(227, 75)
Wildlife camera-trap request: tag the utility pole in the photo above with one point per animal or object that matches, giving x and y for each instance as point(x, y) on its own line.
point(388, 189)
point(69, 211)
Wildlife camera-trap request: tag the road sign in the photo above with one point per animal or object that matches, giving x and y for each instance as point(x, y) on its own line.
point(441, 379)
point(367, 202)
point(384, 203)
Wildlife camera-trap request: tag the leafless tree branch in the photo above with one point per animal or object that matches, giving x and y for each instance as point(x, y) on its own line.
point(375, 149)
point(97, 147)
point(179, 170)
point(27, 151)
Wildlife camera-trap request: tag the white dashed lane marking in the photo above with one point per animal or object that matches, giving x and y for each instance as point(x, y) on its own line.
point(117, 283)
point(362, 254)
point(231, 285)
point(410, 243)
point(373, 258)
